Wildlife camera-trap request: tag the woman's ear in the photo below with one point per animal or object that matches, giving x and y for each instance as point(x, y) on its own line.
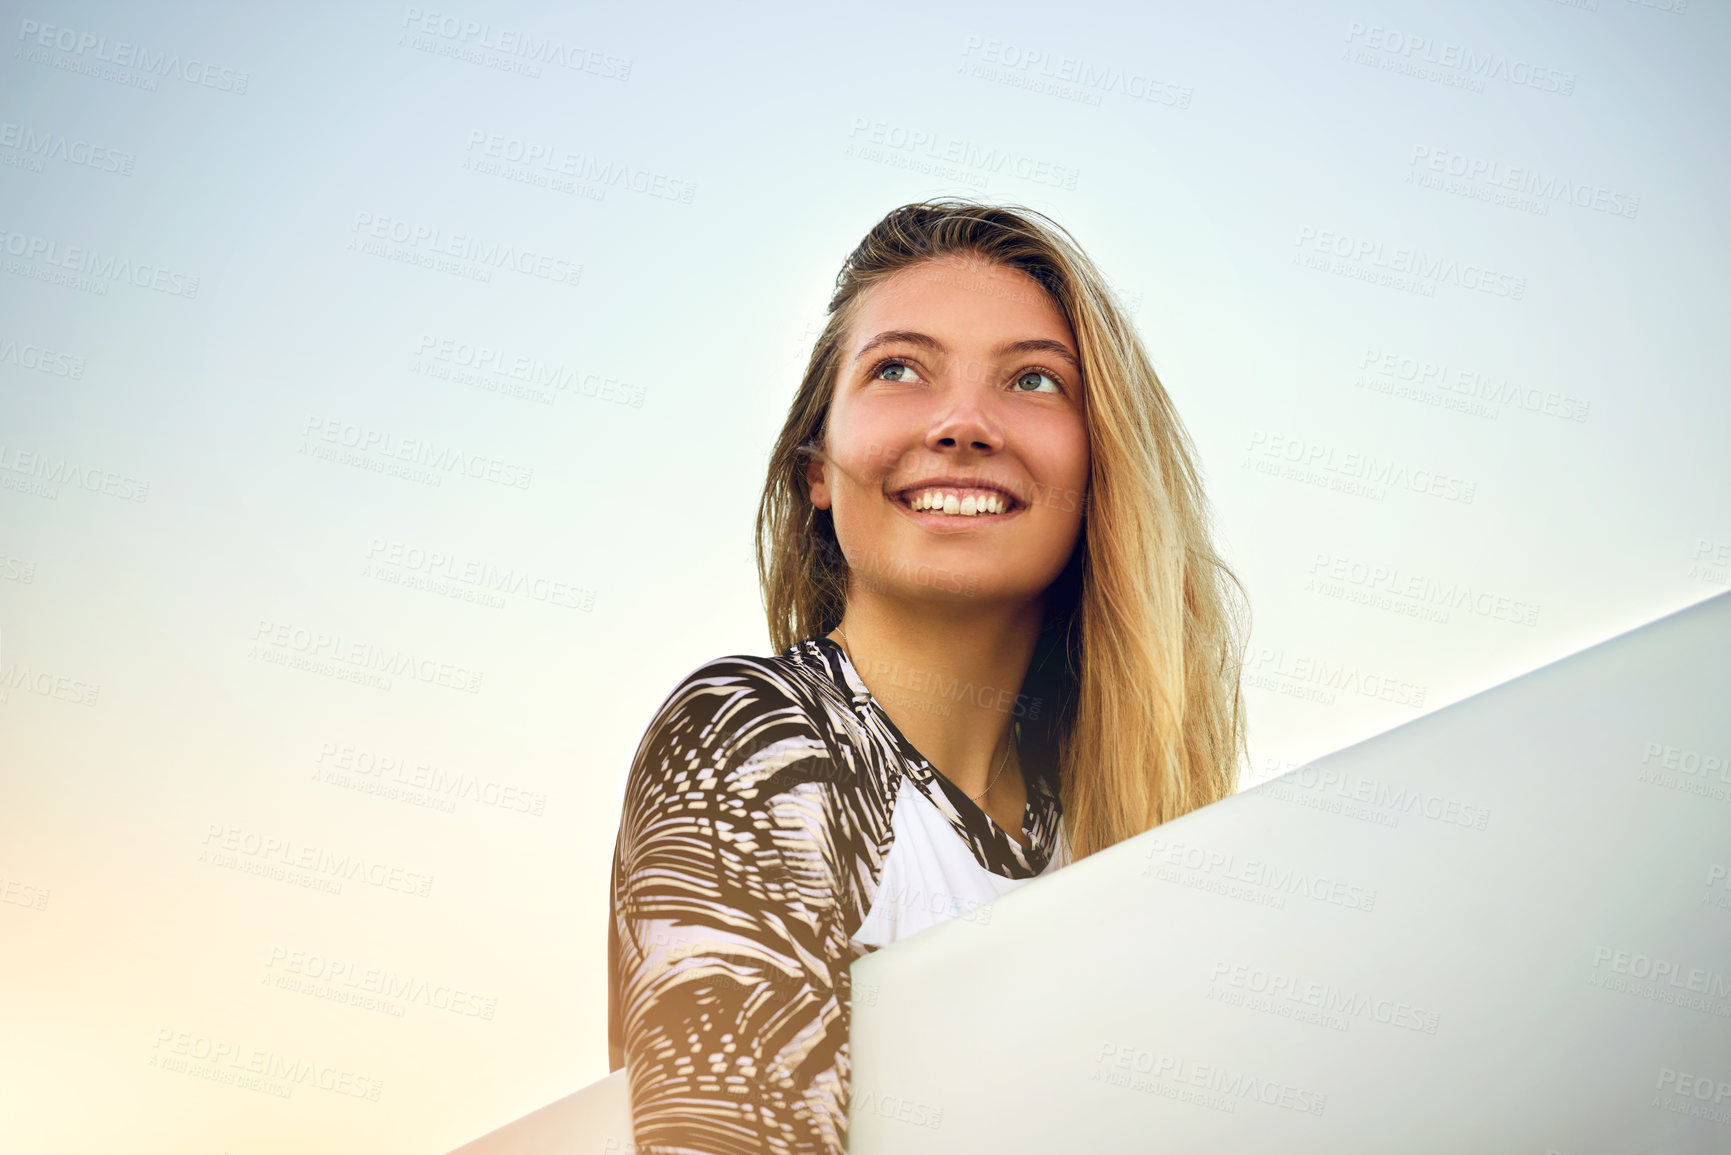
point(817, 484)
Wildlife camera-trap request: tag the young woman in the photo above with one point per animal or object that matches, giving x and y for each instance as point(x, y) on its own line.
point(1005, 642)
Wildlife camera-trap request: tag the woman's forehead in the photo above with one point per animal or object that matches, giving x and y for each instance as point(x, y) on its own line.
point(969, 296)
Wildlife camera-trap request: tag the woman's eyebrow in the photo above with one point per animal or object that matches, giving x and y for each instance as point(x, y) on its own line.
point(902, 336)
point(1040, 345)
point(927, 341)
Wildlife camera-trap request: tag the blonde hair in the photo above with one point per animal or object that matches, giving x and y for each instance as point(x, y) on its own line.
point(1143, 641)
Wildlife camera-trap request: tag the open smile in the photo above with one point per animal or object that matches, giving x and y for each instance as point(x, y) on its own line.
point(957, 502)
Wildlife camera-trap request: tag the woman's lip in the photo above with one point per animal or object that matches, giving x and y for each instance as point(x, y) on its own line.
point(953, 521)
point(960, 489)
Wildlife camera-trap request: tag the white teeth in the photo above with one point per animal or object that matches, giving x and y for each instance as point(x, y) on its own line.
point(937, 501)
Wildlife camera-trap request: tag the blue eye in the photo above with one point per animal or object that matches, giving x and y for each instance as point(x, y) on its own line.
point(902, 372)
point(1022, 382)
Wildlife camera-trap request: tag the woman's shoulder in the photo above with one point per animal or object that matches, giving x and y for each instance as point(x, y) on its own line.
point(740, 693)
point(795, 676)
point(750, 726)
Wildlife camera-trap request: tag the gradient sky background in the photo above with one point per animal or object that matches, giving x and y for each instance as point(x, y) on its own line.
point(1212, 155)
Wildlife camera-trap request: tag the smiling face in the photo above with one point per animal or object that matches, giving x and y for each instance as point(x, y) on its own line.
point(957, 451)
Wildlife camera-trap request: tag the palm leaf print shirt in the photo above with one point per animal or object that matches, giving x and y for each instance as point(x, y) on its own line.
point(777, 826)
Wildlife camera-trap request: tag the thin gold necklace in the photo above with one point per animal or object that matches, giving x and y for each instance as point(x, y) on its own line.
point(1006, 760)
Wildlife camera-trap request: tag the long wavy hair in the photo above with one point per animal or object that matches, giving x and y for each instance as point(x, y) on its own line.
point(1142, 644)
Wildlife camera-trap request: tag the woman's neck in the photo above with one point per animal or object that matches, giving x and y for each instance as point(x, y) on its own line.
point(950, 680)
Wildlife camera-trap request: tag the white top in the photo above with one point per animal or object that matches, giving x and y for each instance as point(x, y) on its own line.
point(930, 875)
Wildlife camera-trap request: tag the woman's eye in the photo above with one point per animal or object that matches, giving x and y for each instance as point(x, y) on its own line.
point(896, 372)
point(1030, 382)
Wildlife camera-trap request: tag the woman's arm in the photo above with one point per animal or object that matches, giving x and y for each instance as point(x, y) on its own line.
point(732, 985)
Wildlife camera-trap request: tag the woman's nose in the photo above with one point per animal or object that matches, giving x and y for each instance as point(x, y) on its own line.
point(964, 419)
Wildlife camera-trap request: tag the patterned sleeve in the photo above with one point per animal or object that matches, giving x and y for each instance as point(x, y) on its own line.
point(732, 988)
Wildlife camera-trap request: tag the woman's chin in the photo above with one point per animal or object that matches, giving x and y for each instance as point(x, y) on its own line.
point(953, 586)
